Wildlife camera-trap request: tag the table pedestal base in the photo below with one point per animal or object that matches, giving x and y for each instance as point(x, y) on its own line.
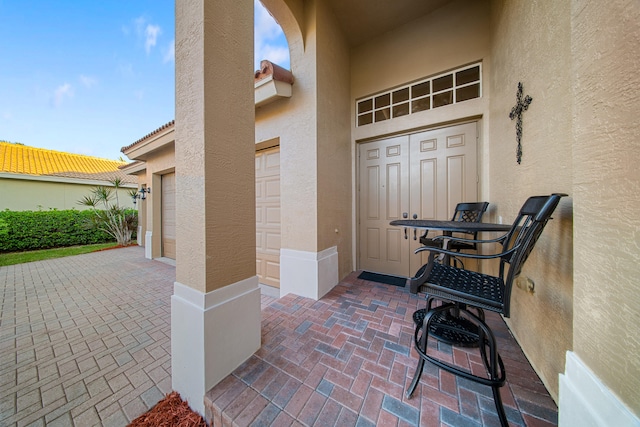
point(450, 329)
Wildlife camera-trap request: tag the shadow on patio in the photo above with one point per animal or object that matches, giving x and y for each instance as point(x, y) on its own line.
point(347, 360)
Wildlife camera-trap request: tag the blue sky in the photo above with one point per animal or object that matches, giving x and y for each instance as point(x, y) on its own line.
point(90, 77)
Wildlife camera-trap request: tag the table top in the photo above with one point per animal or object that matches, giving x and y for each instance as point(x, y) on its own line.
point(453, 226)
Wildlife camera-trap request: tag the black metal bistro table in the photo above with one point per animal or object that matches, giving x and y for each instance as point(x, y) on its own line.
point(448, 326)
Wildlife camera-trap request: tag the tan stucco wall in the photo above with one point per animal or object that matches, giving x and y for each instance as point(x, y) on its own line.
point(452, 36)
point(215, 144)
point(334, 142)
point(33, 195)
point(150, 210)
point(314, 137)
point(605, 52)
point(531, 44)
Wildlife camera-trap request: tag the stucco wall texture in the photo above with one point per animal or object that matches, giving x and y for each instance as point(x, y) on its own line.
point(32, 195)
point(160, 163)
point(314, 137)
point(531, 44)
point(215, 146)
point(605, 52)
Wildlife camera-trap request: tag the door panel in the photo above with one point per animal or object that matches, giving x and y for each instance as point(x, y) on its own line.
point(268, 217)
point(445, 174)
point(384, 192)
point(424, 174)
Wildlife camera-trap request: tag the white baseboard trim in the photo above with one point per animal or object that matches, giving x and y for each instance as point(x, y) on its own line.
point(148, 239)
point(211, 335)
point(308, 274)
point(584, 401)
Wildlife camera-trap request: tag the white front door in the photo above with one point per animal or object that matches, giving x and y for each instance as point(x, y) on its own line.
point(422, 175)
point(384, 196)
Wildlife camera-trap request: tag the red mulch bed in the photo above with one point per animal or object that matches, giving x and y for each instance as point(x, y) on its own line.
point(171, 411)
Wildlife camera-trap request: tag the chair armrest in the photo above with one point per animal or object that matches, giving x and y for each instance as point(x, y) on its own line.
point(464, 240)
point(435, 249)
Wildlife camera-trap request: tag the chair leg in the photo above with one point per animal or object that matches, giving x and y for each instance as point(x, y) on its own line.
point(416, 378)
point(421, 345)
point(497, 398)
point(488, 351)
point(494, 366)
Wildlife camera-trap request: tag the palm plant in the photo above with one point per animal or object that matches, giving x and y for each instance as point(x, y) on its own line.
point(110, 217)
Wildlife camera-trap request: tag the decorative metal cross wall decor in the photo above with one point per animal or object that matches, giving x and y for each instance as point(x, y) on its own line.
point(516, 112)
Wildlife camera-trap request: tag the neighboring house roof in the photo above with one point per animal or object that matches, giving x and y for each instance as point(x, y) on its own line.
point(24, 160)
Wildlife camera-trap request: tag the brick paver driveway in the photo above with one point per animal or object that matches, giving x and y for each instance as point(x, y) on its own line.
point(84, 340)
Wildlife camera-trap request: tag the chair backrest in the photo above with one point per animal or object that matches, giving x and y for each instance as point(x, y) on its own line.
point(469, 212)
point(524, 233)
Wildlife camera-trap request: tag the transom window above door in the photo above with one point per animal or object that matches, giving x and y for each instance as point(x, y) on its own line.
point(447, 88)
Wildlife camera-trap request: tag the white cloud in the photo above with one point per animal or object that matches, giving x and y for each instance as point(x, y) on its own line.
point(269, 40)
point(61, 93)
point(265, 26)
point(87, 81)
point(151, 36)
point(147, 33)
point(276, 54)
point(170, 53)
point(139, 24)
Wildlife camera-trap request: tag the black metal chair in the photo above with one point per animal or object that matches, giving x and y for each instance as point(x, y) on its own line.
point(463, 290)
point(464, 212)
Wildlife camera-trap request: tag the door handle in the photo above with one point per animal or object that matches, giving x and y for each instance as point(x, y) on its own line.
point(405, 215)
point(415, 235)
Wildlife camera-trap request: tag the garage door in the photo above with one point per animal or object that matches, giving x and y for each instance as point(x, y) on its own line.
point(168, 213)
point(268, 216)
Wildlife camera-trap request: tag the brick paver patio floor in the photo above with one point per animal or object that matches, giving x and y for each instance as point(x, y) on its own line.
point(85, 341)
point(347, 359)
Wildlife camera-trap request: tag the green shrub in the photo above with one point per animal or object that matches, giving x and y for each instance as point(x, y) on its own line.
point(109, 217)
point(33, 230)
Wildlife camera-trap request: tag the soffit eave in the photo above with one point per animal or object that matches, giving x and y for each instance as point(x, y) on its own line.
point(159, 141)
point(135, 168)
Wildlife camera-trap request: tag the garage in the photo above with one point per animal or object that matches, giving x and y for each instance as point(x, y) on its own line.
point(268, 216)
point(168, 213)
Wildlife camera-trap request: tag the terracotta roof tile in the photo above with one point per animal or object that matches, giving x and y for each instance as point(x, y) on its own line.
point(22, 159)
point(268, 68)
point(160, 129)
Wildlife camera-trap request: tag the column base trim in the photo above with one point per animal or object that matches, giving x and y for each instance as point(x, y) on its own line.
point(584, 401)
point(148, 240)
point(211, 335)
point(308, 274)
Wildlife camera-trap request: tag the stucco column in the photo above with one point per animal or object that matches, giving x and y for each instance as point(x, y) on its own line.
point(316, 159)
point(215, 308)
